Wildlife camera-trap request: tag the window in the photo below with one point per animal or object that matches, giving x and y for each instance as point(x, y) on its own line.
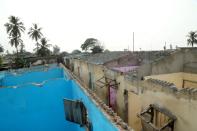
point(155, 118)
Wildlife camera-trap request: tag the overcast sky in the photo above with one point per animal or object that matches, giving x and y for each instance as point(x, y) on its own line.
point(67, 23)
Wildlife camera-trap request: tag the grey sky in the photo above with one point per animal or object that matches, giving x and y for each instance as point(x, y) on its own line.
point(67, 23)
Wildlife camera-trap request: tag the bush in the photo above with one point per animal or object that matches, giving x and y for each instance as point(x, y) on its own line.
point(19, 62)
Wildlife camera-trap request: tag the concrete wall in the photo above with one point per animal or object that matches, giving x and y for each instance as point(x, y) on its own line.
point(127, 60)
point(97, 72)
point(76, 65)
point(176, 78)
point(120, 97)
point(84, 72)
point(175, 62)
point(183, 109)
point(190, 80)
point(81, 70)
point(134, 106)
point(191, 67)
point(171, 64)
point(182, 60)
point(182, 103)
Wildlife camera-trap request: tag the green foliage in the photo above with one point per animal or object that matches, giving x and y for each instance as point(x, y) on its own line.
point(43, 52)
point(192, 38)
point(93, 45)
point(89, 43)
point(22, 48)
point(19, 62)
point(14, 28)
point(35, 34)
point(43, 48)
point(14, 41)
point(97, 49)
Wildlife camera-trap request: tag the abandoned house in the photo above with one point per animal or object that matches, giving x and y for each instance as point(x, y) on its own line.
point(153, 90)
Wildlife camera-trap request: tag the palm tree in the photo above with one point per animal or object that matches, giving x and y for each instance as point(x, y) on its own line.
point(14, 28)
point(35, 34)
point(22, 48)
point(43, 48)
point(192, 38)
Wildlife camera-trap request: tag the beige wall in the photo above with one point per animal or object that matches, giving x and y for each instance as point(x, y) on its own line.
point(139, 97)
point(98, 73)
point(120, 97)
point(76, 65)
point(134, 107)
point(84, 72)
point(190, 80)
point(177, 79)
point(184, 108)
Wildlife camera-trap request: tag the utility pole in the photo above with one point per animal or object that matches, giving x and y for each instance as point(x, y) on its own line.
point(133, 41)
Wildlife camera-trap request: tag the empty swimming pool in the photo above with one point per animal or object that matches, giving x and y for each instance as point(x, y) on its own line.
point(33, 101)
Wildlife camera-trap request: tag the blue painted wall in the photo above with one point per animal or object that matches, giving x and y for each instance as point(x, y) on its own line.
point(32, 108)
point(100, 123)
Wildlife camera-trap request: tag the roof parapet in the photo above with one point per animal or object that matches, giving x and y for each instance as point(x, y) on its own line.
point(170, 88)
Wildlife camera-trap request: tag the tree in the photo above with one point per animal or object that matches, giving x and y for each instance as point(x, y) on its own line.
point(56, 50)
point(97, 49)
point(16, 42)
point(1, 49)
point(43, 48)
point(35, 34)
point(19, 62)
point(22, 48)
point(14, 28)
point(89, 44)
point(192, 38)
